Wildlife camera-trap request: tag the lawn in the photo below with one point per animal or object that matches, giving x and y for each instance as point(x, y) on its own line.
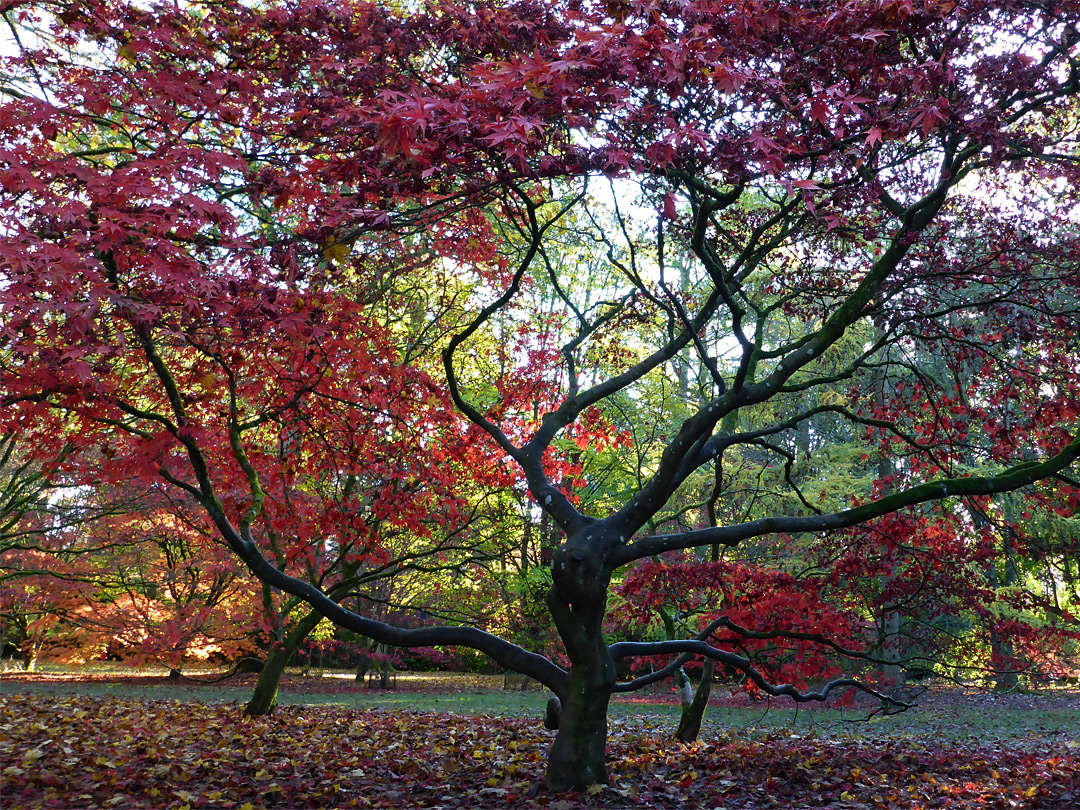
point(110, 738)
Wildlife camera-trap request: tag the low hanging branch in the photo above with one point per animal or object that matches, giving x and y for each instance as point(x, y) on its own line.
point(626, 649)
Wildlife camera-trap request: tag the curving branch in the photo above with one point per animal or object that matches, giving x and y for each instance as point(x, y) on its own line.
point(501, 651)
point(529, 457)
point(669, 670)
point(240, 541)
point(1012, 478)
point(656, 675)
point(817, 638)
point(627, 649)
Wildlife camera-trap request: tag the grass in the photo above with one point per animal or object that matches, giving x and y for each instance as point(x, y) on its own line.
point(943, 714)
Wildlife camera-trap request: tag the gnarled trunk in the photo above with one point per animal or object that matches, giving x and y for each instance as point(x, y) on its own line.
point(577, 757)
point(578, 599)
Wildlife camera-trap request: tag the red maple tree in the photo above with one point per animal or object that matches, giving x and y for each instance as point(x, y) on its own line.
point(202, 201)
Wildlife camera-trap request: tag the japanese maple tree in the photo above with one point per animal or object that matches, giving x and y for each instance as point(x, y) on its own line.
point(354, 448)
point(196, 200)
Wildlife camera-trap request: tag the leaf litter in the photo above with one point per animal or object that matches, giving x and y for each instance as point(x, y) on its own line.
point(96, 752)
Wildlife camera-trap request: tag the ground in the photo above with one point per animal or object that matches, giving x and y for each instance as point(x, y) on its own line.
point(101, 740)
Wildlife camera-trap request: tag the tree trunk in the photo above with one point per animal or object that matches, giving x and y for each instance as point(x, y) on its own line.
point(891, 649)
point(385, 673)
point(381, 671)
point(29, 655)
point(1006, 678)
point(578, 599)
point(892, 640)
point(1002, 654)
point(694, 711)
point(264, 698)
point(577, 756)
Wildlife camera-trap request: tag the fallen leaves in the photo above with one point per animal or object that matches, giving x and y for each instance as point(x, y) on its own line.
point(83, 752)
point(326, 684)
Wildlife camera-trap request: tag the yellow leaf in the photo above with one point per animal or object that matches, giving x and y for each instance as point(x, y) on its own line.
point(846, 797)
point(246, 806)
point(337, 251)
point(207, 381)
point(1030, 792)
point(592, 790)
point(834, 398)
point(535, 90)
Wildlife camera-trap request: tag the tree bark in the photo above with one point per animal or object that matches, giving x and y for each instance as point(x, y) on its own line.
point(891, 648)
point(1002, 654)
point(1006, 678)
point(264, 698)
point(694, 711)
point(577, 757)
point(29, 655)
point(578, 599)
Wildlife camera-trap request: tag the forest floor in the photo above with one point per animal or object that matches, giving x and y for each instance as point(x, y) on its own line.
point(108, 738)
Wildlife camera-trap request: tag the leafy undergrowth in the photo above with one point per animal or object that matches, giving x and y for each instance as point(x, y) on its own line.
point(85, 752)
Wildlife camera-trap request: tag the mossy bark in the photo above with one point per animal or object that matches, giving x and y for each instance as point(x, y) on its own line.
point(264, 698)
point(694, 711)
